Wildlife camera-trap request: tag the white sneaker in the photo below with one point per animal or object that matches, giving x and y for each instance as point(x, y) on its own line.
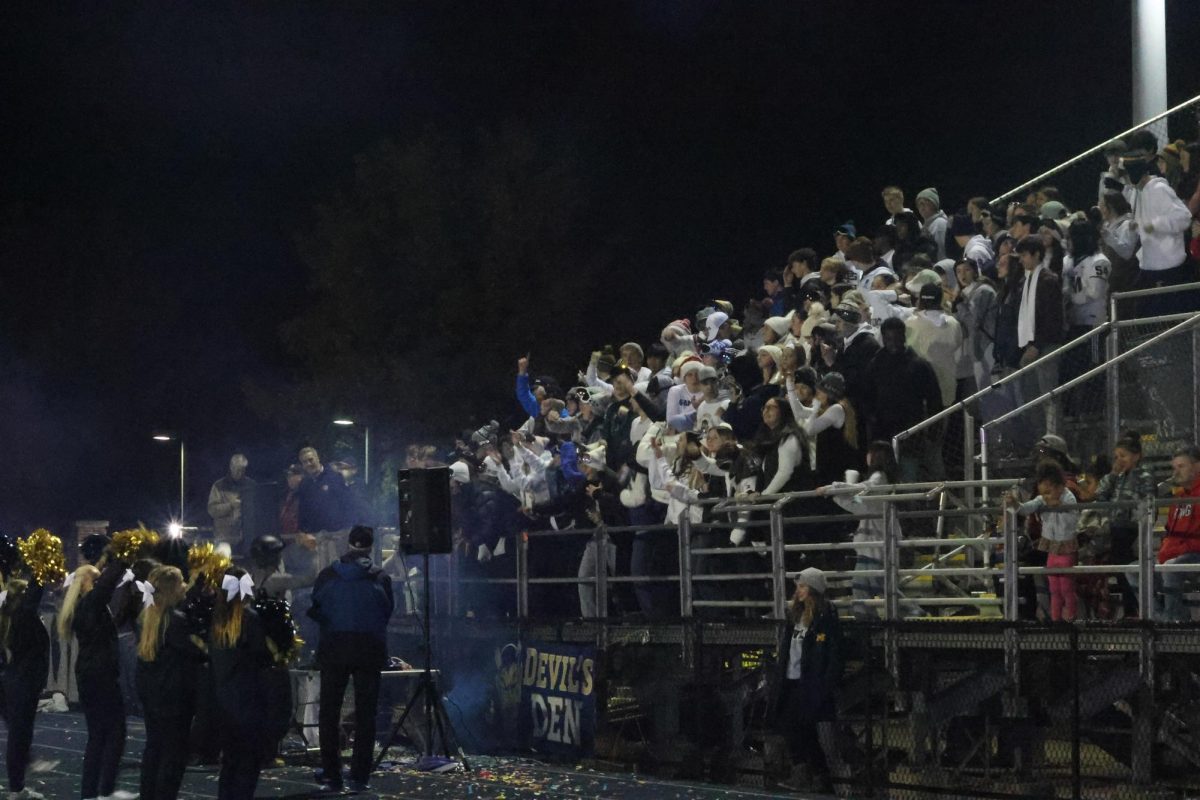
point(119, 794)
point(26, 794)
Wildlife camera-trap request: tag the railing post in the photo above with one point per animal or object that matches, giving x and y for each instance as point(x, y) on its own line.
point(983, 462)
point(778, 566)
point(1113, 385)
point(968, 420)
point(1011, 571)
point(685, 564)
point(1148, 514)
point(891, 563)
point(522, 575)
point(451, 588)
point(1195, 383)
point(598, 536)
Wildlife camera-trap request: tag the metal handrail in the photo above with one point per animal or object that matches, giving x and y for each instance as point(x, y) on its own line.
point(1093, 150)
point(894, 602)
point(962, 405)
point(1091, 373)
point(1129, 293)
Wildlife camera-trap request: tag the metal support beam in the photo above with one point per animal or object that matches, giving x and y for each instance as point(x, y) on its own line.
point(522, 576)
point(685, 565)
point(778, 567)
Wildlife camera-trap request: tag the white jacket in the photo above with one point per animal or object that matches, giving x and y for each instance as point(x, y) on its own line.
point(1162, 220)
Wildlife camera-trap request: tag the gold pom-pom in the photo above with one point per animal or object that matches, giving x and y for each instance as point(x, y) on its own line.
point(205, 562)
point(128, 546)
point(42, 553)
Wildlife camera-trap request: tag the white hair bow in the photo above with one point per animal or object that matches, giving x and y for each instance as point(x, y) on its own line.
point(67, 581)
point(243, 587)
point(147, 590)
point(126, 578)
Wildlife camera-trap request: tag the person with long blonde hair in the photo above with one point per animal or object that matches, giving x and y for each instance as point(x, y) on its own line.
point(241, 661)
point(169, 654)
point(85, 616)
point(809, 668)
point(26, 649)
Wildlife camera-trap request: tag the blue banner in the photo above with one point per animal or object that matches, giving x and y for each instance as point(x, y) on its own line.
point(558, 698)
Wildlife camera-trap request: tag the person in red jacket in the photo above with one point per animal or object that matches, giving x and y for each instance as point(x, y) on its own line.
point(1181, 545)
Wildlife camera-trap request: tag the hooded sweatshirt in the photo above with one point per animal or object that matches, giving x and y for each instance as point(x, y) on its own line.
point(352, 600)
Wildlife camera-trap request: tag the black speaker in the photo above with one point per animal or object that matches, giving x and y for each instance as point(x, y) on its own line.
point(425, 510)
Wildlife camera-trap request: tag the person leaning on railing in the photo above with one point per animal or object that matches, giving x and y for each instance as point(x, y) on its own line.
point(869, 536)
point(1058, 535)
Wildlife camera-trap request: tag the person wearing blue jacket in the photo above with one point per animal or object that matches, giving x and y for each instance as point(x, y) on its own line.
point(352, 601)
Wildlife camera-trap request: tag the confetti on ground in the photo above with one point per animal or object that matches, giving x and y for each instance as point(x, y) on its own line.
point(63, 736)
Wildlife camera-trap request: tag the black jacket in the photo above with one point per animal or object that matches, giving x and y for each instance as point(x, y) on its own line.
point(905, 391)
point(352, 600)
point(27, 666)
point(746, 415)
point(853, 362)
point(820, 673)
point(167, 685)
point(96, 632)
point(240, 673)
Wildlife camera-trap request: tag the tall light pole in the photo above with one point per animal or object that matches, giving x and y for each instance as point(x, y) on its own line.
point(347, 422)
point(171, 437)
point(1149, 59)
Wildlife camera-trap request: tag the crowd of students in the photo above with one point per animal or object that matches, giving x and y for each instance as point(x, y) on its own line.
point(839, 355)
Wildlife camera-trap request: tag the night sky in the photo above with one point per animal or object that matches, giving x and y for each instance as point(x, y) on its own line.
point(161, 165)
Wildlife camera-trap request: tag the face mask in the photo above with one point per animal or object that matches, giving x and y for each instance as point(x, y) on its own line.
point(1136, 169)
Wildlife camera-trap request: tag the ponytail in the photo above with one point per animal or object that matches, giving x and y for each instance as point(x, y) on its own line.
point(66, 615)
point(168, 592)
point(16, 591)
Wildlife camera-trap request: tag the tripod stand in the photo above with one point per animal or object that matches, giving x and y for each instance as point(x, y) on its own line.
point(426, 691)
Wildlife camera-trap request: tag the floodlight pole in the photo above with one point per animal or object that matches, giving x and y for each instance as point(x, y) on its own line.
point(1149, 31)
point(182, 461)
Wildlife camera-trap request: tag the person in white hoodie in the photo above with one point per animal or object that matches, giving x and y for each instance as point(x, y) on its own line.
point(1162, 221)
point(869, 535)
point(977, 248)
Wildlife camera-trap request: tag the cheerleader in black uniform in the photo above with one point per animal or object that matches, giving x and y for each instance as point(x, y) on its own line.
point(169, 655)
point(26, 666)
point(86, 616)
point(241, 663)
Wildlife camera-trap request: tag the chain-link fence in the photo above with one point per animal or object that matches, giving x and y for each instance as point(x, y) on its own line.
point(1078, 179)
point(1157, 394)
point(1145, 381)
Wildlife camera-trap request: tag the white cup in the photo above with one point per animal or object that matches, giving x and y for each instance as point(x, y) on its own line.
point(852, 476)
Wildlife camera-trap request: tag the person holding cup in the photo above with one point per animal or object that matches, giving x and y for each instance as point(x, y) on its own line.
point(868, 537)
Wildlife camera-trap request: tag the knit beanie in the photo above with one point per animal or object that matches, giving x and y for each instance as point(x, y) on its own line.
point(814, 579)
point(781, 325)
point(776, 353)
point(930, 194)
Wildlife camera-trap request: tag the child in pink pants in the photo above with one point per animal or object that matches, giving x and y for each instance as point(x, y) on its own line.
point(1056, 504)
